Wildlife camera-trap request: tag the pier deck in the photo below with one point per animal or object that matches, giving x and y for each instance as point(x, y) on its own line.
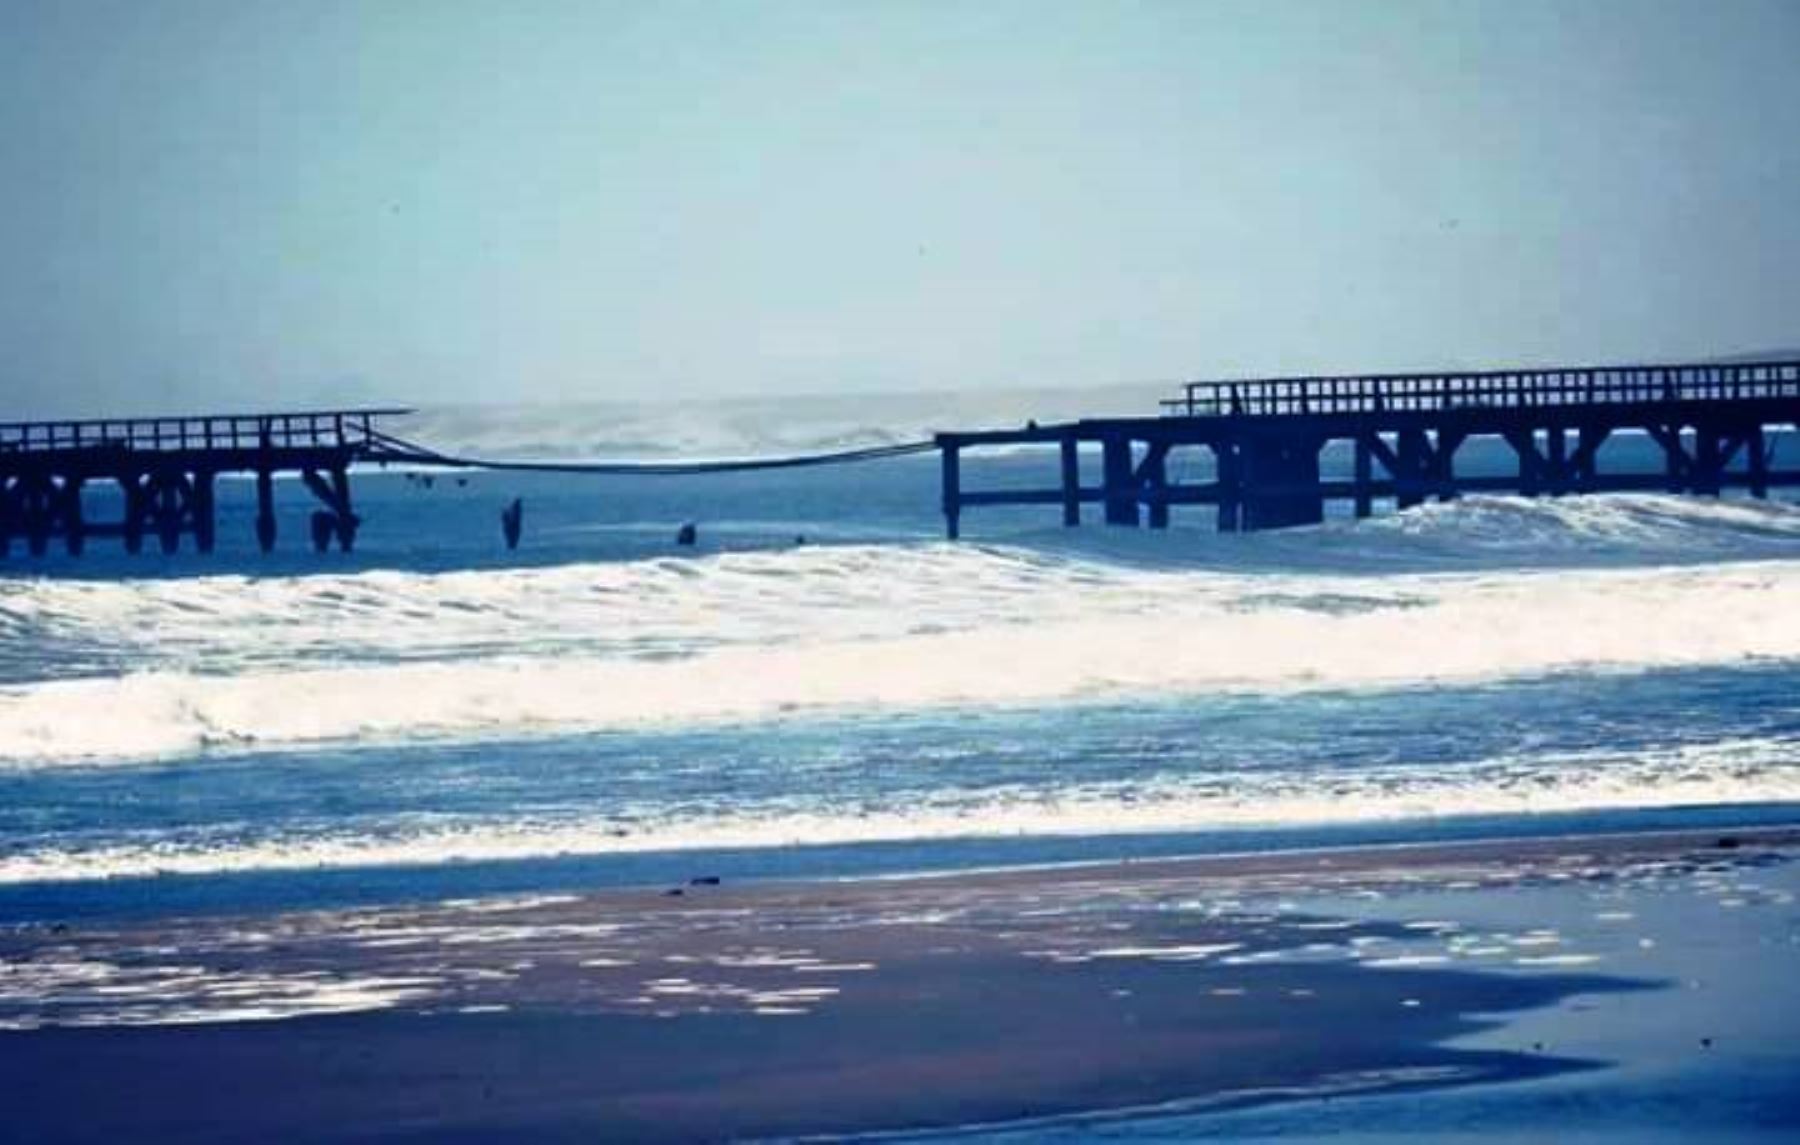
point(1712, 422)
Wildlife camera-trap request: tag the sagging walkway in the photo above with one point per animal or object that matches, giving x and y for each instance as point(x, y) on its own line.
point(166, 468)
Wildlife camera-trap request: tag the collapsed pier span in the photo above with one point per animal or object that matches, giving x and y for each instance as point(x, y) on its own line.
point(166, 468)
point(1713, 424)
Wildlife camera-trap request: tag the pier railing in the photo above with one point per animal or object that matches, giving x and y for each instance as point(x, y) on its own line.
point(320, 429)
point(1502, 389)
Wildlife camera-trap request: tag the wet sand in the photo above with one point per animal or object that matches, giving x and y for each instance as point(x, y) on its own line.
point(728, 1011)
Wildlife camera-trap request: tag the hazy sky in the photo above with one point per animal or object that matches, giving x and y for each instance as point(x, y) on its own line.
point(260, 204)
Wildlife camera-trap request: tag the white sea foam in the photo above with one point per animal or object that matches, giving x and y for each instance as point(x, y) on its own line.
point(758, 637)
point(668, 606)
point(1646, 522)
point(1740, 772)
point(85, 992)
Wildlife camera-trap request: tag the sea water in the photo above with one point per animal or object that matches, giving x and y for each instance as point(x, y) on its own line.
point(823, 686)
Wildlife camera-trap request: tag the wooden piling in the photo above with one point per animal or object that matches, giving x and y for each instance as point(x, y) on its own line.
point(1227, 464)
point(1708, 459)
point(952, 488)
point(1071, 480)
point(1556, 459)
point(1119, 489)
point(1363, 477)
point(1758, 461)
point(1414, 453)
point(265, 508)
point(1152, 479)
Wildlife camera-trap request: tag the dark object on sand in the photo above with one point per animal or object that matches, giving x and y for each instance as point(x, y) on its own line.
point(674, 892)
point(687, 534)
point(512, 518)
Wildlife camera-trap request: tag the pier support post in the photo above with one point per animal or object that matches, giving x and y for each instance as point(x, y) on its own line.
point(1584, 466)
point(170, 506)
point(1071, 481)
point(74, 525)
point(337, 519)
point(1531, 464)
point(205, 514)
point(1120, 493)
point(37, 504)
point(1414, 456)
point(137, 510)
point(347, 520)
point(1228, 464)
point(265, 510)
point(952, 489)
point(1758, 461)
point(1281, 482)
point(265, 491)
point(1709, 460)
point(1153, 482)
point(1556, 450)
point(1676, 463)
point(1441, 470)
point(1364, 479)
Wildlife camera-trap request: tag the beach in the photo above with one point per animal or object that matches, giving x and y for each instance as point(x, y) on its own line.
point(1469, 823)
point(1031, 574)
point(1139, 994)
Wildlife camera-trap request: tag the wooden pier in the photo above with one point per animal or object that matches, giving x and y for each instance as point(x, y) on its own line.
point(1712, 422)
point(166, 468)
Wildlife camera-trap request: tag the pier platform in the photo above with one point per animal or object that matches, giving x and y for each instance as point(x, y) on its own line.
point(166, 468)
point(1264, 438)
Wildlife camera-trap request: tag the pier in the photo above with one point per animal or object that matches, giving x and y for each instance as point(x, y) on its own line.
point(1263, 446)
point(1264, 439)
point(166, 468)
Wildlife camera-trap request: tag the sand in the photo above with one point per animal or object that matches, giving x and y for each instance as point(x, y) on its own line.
point(1047, 998)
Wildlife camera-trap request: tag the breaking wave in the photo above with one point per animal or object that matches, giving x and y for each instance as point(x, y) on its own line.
point(1742, 771)
point(750, 427)
point(387, 657)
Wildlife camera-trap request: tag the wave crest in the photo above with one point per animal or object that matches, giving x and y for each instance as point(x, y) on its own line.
point(1026, 631)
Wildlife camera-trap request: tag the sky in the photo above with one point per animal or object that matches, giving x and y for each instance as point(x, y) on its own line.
point(242, 205)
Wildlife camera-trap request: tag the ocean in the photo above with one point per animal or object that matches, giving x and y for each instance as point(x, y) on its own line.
point(824, 687)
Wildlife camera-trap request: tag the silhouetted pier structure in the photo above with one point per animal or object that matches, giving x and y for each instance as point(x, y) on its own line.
point(1265, 437)
point(166, 468)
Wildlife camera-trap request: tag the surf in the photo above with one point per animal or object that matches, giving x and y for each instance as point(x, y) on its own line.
point(557, 655)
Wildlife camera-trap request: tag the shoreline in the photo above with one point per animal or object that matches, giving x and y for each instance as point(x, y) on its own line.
point(114, 899)
point(935, 1003)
